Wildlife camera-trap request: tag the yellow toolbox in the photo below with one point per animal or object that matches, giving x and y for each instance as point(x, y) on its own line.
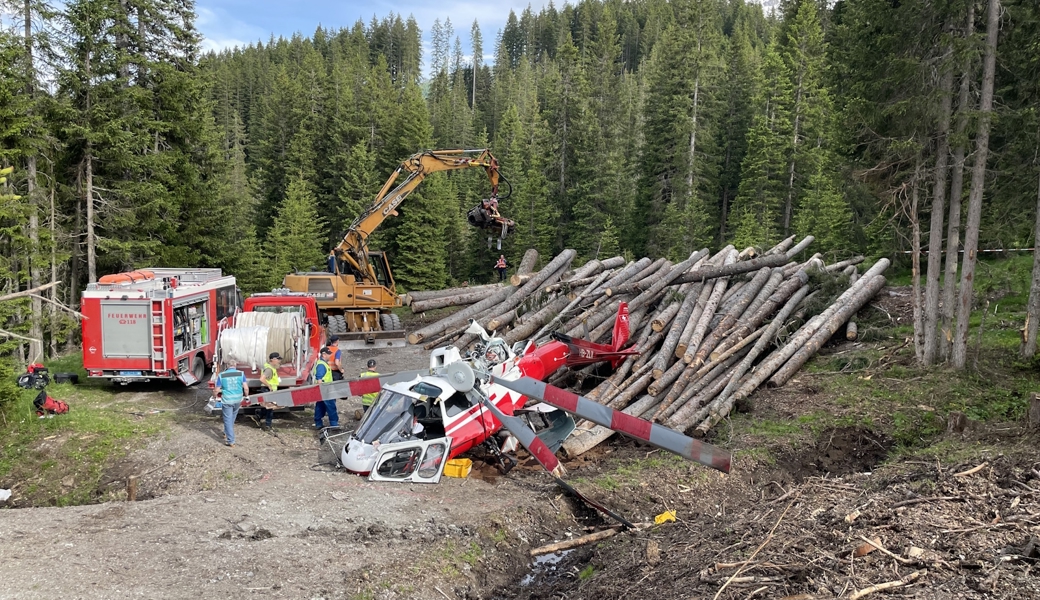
point(458, 467)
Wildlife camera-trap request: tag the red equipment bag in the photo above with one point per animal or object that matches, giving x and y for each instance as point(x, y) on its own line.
point(45, 405)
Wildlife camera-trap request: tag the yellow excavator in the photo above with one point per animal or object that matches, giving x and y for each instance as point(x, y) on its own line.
point(356, 295)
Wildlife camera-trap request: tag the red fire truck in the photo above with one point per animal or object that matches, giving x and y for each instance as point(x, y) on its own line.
point(155, 323)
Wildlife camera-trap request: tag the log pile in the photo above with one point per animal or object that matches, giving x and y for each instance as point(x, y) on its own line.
point(710, 329)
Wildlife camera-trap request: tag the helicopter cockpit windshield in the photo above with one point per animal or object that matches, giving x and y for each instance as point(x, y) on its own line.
point(391, 419)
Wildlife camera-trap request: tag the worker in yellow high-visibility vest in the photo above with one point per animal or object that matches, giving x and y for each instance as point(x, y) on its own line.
point(368, 399)
point(323, 374)
point(270, 380)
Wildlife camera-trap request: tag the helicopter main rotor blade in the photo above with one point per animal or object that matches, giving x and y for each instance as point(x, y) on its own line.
point(641, 429)
point(309, 394)
point(526, 436)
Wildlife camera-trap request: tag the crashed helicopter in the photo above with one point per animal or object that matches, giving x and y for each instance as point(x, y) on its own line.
point(421, 419)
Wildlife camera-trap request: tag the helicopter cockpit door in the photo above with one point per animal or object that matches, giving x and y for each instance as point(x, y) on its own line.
point(414, 461)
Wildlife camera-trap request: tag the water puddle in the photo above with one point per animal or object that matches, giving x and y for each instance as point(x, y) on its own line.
point(543, 565)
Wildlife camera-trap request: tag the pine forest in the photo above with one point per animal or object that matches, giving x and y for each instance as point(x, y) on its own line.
point(642, 128)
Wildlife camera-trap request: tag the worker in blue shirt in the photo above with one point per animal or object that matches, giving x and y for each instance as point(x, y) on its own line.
point(323, 374)
point(232, 387)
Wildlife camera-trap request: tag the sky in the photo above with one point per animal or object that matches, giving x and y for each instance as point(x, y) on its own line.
point(230, 23)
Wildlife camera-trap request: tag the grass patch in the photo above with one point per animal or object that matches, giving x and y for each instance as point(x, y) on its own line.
point(60, 461)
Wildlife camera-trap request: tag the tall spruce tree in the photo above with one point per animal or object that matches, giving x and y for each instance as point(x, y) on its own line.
point(294, 241)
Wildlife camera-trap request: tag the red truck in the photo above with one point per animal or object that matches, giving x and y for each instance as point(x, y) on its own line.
point(280, 321)
point(155, 323)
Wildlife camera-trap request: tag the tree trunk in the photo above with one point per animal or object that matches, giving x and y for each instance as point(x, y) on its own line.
point(978, 181)
point(953, 236)
point(666, 276)
point(88, 198)
point(528, 263)
point(774, 302)
point(533, 322)
point(54, 279)
point(935, 226)
point(789, 201)
point(915, 261)
point(460, 317)
point(695, 317)
point(730, 320)
point(35, 319)
point(1033, 308)
point(420, 296)
point(709, 311)
point(736, 268)
point(460, 299)
point(828, 327)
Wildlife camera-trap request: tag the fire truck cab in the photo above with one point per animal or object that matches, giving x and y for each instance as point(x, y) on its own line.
point(155, 323)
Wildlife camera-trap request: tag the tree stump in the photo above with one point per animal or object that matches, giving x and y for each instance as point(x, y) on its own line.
point(1034, 411)
point(131, 488)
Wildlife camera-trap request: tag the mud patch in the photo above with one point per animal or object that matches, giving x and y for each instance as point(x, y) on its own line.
point(839, 451)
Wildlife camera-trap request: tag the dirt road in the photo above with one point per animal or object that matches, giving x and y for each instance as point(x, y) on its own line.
point(268, 518)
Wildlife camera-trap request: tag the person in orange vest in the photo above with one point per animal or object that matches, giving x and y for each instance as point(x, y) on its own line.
point(501, 267)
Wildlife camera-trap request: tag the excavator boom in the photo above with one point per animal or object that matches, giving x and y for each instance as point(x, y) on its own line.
point(353, 250)
point(356, 295)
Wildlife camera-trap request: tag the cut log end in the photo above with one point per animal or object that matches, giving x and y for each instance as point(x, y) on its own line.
point(414, 338)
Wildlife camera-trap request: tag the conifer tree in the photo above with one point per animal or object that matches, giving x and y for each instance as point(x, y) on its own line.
point(294, 241)
point(756, 217)
point(823, 212)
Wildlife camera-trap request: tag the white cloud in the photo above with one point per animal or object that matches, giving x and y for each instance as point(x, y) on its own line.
point(221, 31)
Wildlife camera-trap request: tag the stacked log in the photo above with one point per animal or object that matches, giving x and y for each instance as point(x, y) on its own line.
point(699, 326)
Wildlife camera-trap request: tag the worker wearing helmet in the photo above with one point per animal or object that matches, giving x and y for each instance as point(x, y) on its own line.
point(367, 400)
point(322, 373)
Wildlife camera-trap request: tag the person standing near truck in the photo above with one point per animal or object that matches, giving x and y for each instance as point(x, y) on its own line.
point(232, 387)
point(270, 380)
point(323, 374)
point(334, 359)
point(501, 267)
point(367, 400)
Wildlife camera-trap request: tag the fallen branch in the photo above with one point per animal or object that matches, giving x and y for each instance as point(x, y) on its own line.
point(24, 293)
point(60, 305)
point(929, 499)
point(877, 544)
point(887, 585)
point(21, 337)
point(574, 543)
point(972, 471)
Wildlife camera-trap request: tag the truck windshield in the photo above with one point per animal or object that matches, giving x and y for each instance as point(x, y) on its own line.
point(391, 412)
point(288, 308)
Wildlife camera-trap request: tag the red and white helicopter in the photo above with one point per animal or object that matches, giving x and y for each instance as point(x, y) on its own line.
point(422, 419)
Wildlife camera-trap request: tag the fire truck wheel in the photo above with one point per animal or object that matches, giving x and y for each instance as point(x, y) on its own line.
point(198, 368)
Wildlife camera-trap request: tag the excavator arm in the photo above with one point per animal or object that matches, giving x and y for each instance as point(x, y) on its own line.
point(352, 252)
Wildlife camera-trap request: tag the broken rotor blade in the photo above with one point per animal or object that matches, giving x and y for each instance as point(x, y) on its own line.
point(641, 429)
point(309, 394)
point(526, 436)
